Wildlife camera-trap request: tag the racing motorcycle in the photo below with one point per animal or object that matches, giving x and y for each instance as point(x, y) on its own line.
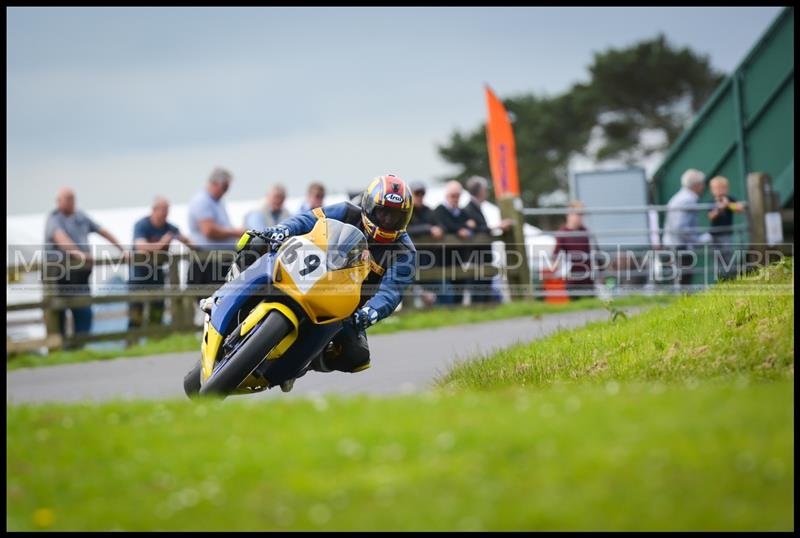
point(272, 317)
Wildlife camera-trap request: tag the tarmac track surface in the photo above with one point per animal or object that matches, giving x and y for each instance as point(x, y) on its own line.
point(401, 362)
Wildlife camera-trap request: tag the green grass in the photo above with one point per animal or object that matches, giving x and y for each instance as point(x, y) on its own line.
point(740, 328)
point(442, 317)
point(174, 343)
point(408, 321)
point(622, 457)
point(677, 419)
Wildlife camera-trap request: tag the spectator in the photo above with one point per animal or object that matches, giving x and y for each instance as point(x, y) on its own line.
point(314, 197)
point(721, 219)
point(680, 226)
point(152, 235)
point(424, 224)
point(210, 229)
point(454, 221)
point(452, 218)
point(271, 213)
point(423, 220)
point(573, 240)
point(478, 188)
point(69, 258)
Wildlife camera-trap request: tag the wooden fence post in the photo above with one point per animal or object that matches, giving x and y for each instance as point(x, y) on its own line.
point(51, 323)
point(519, 276)
point(759, 203)
point(50, 315)
point(177, 304)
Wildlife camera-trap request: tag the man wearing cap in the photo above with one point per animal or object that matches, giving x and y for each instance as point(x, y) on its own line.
point(424, 223)
point(423, 219)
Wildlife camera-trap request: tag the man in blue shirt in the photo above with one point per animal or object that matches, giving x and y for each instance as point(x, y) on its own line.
point(152, 236)
point(383, 215)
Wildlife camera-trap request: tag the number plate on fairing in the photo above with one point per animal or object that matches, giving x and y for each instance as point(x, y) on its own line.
point(304, 262)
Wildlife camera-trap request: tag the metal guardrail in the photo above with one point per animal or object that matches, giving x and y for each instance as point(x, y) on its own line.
point(182, 298)
point(619, 254)
point(514, 241)
point(628, 231)
point(531, 211)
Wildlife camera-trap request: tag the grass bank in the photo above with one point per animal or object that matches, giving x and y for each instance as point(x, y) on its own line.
point(743, 327)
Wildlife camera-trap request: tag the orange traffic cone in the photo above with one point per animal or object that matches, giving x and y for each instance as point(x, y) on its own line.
point(555, 288)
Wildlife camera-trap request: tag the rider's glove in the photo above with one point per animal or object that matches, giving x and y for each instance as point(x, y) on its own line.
point(277, 235)
point(365, 317)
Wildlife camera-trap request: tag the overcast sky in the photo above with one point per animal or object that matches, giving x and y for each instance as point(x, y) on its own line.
point(126, 103)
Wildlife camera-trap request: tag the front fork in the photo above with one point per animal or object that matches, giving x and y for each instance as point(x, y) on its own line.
point(212, 339)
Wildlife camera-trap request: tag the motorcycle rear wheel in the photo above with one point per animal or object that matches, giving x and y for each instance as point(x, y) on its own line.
point(230, 375)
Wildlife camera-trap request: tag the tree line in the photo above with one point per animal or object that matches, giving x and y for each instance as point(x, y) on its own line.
point(650, 87)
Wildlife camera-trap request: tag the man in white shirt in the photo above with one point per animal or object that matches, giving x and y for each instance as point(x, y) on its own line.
point(681, 231)
point(273, 212)
point(211, 229)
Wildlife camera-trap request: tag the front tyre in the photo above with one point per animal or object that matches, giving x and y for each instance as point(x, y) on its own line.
point(231, 373)
point(191, 381)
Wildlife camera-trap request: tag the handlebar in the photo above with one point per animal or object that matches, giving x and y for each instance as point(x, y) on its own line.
point(262, 235)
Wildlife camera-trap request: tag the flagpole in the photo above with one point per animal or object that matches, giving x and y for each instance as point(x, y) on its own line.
point(503, 164)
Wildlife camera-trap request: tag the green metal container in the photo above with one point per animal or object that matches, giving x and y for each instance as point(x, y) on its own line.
point(746, 126)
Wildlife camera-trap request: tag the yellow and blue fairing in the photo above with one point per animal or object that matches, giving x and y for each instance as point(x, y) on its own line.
point(320, 272)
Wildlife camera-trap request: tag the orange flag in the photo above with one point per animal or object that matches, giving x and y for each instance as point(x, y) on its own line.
point(502, 152)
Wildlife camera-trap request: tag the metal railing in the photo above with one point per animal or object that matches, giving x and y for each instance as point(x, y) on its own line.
point(538, 211)
point(180, 296)
point(606, 259)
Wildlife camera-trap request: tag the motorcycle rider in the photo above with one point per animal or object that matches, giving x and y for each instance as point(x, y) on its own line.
point(383, 214)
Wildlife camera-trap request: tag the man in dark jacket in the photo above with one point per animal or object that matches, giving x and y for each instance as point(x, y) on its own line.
point(423, 219)
point(478, 188)
point(454, 221)
point(423, 227)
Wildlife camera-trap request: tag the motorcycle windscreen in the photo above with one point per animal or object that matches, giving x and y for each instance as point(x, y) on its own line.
point(323, 270)
point(347, 246)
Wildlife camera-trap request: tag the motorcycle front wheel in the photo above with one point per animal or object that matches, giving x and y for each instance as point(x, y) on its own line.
point(191, 381)
point(230, 374)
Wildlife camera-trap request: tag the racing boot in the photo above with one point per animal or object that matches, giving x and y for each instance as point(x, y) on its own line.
point(287, 385)
point(333, 357)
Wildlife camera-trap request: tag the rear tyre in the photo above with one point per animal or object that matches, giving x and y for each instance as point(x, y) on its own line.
point(230, 375)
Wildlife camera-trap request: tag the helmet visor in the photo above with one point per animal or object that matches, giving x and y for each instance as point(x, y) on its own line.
point(388, 218)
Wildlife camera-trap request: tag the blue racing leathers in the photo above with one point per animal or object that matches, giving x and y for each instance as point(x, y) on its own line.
point(397, 261)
